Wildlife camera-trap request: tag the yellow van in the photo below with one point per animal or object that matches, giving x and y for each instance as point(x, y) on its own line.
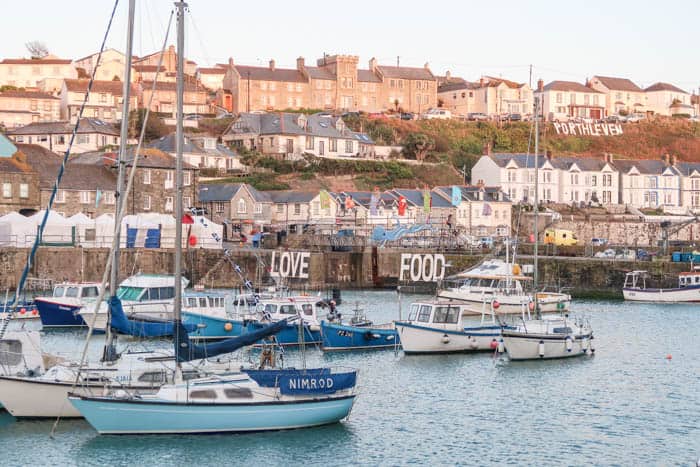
point(560, 237)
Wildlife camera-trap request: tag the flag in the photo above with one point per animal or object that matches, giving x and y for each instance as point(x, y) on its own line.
point(373, 202)
point(456, 196)
point(98, 195)
point(402, 206)
point(325, 199)
point(487, 209)
point(427, 200)
point(187, 219)
point(349, 203)
point(237, 268)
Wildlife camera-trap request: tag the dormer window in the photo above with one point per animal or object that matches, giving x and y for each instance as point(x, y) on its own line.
point(301, 121)
point(339, 125)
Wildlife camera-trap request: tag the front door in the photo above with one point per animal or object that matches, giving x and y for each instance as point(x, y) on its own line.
point(321, 148)
point(290, 146)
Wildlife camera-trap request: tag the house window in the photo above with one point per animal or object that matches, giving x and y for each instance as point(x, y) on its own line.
point(186, 202)
point(60, 197)
point(103, 98)
point(146, 177)
point(595, 100)
point(187, 178)
point(348, 146)
point(572, 99)
point(241, 206)
point(594, 180)
point(168, 180)
point(108, 196)
point(169, 204)
point(146, 202)
point(315, 208)
point(334, 145)
point(297, 209)
point(7, 190)
point(309, 142)
point(280, 208)
point(219, 207)
point(559, 98)
point(258, 208)
point(84, 197)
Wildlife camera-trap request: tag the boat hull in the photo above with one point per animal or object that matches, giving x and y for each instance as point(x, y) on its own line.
point(683, 294)
point(342, 337)
point(417, 339)
point(544, 347)
point(290, 334)
point(58, 315)
point(115, 416)
point(210, 327)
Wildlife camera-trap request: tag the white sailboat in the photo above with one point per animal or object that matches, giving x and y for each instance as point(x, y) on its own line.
point(249, 400)
point(552, 336)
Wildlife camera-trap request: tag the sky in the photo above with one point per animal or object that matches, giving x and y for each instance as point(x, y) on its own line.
point(646, 41)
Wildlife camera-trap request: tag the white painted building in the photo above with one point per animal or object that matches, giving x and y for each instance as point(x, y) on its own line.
point(587, 179)
point(563, 100)
point(650, 183)
point(667, 99)
point(621, 94)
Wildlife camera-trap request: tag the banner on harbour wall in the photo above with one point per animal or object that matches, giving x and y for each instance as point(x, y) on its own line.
point(422, 268)
point(588, 129)
point(290, 264)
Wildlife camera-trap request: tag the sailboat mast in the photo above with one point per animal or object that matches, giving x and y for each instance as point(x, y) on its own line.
point(537, 204)
point(179, 138)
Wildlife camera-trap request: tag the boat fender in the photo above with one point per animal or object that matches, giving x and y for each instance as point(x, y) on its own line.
point(22, 311)
point(540, 349)
point(494, 344)
point(445, 339)
point(569, 344)
point(228, 327)
point(369, 335)
point(34, 312)
point(390, 337)
point(501, 346)
point(590, 344)
point(495, 304)
point(531, 306)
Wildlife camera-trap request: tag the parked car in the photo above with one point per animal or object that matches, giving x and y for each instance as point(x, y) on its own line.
point(635, 118)
point(599, 241)
point(607, 254)
point(407, 116)
point(440, 114)
point(615, 119)
point(627, 254)
point(486, 242)
point(477, 116)
point(377, 116)
point(514, 117)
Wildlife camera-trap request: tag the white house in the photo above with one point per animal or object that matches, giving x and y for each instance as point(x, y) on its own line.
point(621, 94)
point(212, 78)
point(47, 74)
point(92, 135)
point(690, 185)
point(650, 183)
point(289, 135)
point(587, 179)
point(562, 100)
point(483, 210)
point(202, 151)
point(667, 99)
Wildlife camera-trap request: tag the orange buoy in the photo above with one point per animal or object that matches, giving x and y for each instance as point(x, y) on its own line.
point(22, 311)
point(193, 240)
point(228, 327)
point(669, 357)
point(495, 304)
point(494, 344)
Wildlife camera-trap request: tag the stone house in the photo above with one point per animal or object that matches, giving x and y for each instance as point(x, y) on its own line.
point(104, 103)
point(19, 178)
point(292, 210)
point(667, 99)
point(460, 97)
point(240, 207)
point(288, 136)
point(212, 78)
point(202, 151)
point(215, 199)
point(169, 61)
point(165, 98)
point(112, 65)
point(154, 182)
point(335, 82)
point(621, 94)
point(92, 134)
point(19, 108)
point(563, 100)
point(45, 74)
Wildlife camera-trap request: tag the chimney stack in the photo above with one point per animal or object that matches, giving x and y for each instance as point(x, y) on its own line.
point(487, 148)
point(372, 64)
point(548, 154)
point(540, 85)
point(609, 158)
point(272, 65)
point(300, 63)
point(481, 82)
point(230, 62)
point(673, 159)
point(665, 158)
point(448, 75)
point(427, 66)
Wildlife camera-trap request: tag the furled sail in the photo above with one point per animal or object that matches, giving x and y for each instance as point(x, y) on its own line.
point(135, 327)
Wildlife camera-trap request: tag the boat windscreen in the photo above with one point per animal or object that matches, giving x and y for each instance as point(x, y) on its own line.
point(129, 293)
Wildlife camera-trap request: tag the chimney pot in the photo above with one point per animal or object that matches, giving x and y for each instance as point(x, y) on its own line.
point(300, 63)
point(481, 82)
point(487, 148)
point(540, 85)
point(230, 62)
point(448, 75)
point(272, 65)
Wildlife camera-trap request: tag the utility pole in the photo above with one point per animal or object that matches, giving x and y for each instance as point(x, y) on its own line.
point(530, 76)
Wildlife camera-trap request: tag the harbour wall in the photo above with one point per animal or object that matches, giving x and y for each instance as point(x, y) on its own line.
point(414, 270)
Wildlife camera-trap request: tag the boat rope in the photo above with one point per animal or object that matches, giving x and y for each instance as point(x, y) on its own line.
point(120, 216)
point(57, 182)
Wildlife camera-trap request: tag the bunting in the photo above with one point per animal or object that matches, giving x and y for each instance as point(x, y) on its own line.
point(402, 206)
point(456, 196)
point(427, 200)
point(325, 199)
point(374, 202)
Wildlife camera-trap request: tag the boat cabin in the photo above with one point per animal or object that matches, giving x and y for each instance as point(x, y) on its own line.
point(688, 279)
point(20, 351)
point(443, 313)
point(148, 288)
point(281, 308)
point(76, 290)
point(636, 280)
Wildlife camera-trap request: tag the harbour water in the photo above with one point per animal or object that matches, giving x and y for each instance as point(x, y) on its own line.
point(628, 405)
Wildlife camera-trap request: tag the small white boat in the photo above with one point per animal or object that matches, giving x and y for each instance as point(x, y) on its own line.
point(551, 337)
point(445, 326)
point(62, 307)
point(143, 296)
point(499, 281)
point(688, 290)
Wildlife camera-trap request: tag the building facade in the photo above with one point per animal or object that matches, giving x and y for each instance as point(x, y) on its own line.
point(104, 102)
point(92, 135)
point(566, 100)
point(165, 97)
point(111, 66)
point(621, 95)
point(19, 108)
point(45, 74)
point(667, 99)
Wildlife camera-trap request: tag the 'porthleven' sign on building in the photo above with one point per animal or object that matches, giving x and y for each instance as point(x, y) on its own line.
point(588, 129)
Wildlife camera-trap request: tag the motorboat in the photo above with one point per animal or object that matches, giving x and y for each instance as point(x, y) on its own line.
point(688, 290)
point(499, 281)
point(217, 315)
point(552, 336)
point(62, 308)
point(448, 326)
point(147, 297)
point(357, 333)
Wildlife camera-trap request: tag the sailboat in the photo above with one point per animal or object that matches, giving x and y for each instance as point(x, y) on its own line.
point(557, 336)
point(249, 400)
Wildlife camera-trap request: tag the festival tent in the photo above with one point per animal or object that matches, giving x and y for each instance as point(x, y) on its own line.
point(58, 231)
point(148, 231)
point(16, 230)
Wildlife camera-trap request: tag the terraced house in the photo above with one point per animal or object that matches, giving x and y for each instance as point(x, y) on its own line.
point(104, 103)
point(92, 134)
point(336, 82)
point(491, 96)
point(44, 74)
point(289, 135)
point(19, 108)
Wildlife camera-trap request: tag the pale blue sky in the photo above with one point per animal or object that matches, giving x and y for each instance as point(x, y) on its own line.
point(646, 41)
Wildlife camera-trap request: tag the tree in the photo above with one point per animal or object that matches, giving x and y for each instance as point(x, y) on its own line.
point(155, 127)
point(37, 49)
point(417, 145)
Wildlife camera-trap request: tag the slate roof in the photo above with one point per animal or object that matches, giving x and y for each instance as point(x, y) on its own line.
point(664, 87)
point(367, 76)
point(687, 168)
point(150, 158)
point(492, 82)
point(267, 74)
point(168, 144)
point(87, 125)
point(457, 86)
point(415, 197)
point(212, 71)
point(320, 73)
point(522, 160)
point(259, 196)
point(583, 163)
point(291, 196)
point(618, 84)
point(403, 72)
point(217, 191)
point(470, 193)
point(115, 88)
point(645, 166)
point(28, 95)
point(569, 86)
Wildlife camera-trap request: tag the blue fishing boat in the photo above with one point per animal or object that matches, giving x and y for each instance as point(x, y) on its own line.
point(217, 316)
point(347, 337)
point(62, 308)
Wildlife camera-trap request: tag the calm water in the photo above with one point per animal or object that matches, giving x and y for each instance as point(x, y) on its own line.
point(628, 405)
